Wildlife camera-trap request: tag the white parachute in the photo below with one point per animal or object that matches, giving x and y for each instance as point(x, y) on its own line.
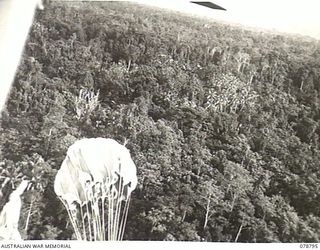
point(10, 214)
point(94, 183)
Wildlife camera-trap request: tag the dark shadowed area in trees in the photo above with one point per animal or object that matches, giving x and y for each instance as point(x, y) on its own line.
point(222, 123)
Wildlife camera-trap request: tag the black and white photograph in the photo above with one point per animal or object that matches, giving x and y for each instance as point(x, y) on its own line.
point(181, 121)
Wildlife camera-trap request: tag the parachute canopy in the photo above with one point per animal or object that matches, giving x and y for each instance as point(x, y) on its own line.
point(95, 179)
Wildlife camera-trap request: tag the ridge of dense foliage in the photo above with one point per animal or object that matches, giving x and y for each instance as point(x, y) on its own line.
point(222, 123)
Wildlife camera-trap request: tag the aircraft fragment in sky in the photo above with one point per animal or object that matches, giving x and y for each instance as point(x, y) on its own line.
point(209, 5)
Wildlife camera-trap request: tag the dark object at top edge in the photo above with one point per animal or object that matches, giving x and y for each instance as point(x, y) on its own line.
point(209, 5)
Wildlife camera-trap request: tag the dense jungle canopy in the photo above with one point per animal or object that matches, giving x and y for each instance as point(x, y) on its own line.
point(222, 123)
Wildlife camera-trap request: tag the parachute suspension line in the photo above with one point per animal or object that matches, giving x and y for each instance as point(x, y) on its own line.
point(113, 213)
point(83, 223)
point(117, 202)
point(119, 207)
point(110, 219)
point(121, 221)
point(111, 194)
point(98, 231)
point(109, 215)
point(103, 217)
point(97, 216)
point(73, 222)
point(120, 185)
point(88, 214)
point(124, 218)
point(94, 226)
point(110, 205)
